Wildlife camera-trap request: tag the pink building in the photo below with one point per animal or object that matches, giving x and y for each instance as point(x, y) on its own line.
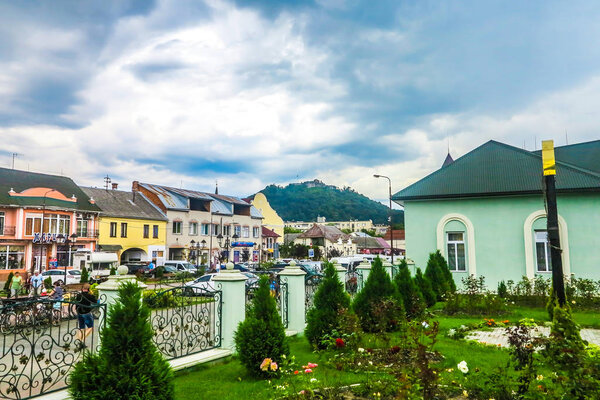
point(37, 213)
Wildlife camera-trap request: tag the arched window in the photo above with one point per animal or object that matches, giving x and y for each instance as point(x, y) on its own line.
point(456, 241)
point(537, 249)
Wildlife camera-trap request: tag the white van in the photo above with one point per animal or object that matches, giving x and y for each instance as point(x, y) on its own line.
point(98, 263)
point(181, 266)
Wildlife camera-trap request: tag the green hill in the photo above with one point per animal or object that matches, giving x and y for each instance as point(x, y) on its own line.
point(308, 200)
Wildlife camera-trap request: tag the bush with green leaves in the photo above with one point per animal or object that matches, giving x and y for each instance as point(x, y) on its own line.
point(414, 305)
point(502, 290)
point(128, 364)
point(85, 276)
point(7, 284)
point(324, 317)
point(379, 291)
point(440, 276)
point(425, 287)
point(262, 334)
point(48, 283)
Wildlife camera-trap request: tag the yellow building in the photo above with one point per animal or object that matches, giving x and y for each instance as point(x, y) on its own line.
point(271, 219)
point(130, 226)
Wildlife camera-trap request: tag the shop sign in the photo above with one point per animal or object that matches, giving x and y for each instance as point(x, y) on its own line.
point(44, 237)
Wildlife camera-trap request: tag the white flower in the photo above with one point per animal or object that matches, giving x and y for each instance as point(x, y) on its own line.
point(540, 377)
point(462, 367)
point(358, 364)
point(425, 324)
point(451, 332)
point(312, 380)
point(361, 350)
point(463, 328)
point(370, 362)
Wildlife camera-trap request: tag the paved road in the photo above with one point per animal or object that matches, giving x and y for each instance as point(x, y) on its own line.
point(497, 336)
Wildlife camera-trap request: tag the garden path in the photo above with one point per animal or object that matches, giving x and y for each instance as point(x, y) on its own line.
point(498, 337)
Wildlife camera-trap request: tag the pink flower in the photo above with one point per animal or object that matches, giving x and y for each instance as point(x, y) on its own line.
point(307, 371)
point(311, 365)
point(264, 366)
point(273, 366)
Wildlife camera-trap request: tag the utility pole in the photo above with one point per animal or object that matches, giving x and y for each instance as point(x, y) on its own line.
point(13, 159)
point(391, 213)
point(549, 166)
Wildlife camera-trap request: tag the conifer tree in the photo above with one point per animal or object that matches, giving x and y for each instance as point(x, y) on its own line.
point(329, 300)
point(443, 264)
point(262, 334)
point(377, 290)
point(438, 278)
point(85, 277)
point(425, 286)
point(128, 364)
point(414, 305)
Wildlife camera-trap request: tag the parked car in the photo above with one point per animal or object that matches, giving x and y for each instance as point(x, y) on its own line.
point(73, 275)
point(252, 278)
point(136, 268)
point(182, 266)
point(200, 286)
point(312, 276)
point(239, 267)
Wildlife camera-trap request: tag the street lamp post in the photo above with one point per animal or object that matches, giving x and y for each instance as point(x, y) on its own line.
point(390, 217)
point(38, 267)
point(203, 247)
point(62, 239)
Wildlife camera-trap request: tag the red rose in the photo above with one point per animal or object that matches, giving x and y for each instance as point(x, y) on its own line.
point(339, 342)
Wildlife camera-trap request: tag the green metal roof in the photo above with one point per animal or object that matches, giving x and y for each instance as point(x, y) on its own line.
point(22, 180)
point(495, 169)
point(583, 155)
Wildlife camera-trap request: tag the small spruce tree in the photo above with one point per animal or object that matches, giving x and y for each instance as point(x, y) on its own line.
point(376, 290)
point(262, 334)
point(425, 286)
point(128, 364)
point(414, 305)
point(329, 300)
point(85, 277)
point(443, 264)
point(7, 284)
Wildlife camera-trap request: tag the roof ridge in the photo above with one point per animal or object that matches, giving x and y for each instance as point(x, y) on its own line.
point(575, 144)
point(37, 173)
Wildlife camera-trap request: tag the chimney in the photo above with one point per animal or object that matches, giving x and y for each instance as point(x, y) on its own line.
point(134, 186)
point(114, 186)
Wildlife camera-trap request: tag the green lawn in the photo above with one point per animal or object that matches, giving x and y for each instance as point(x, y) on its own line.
point(229, 380)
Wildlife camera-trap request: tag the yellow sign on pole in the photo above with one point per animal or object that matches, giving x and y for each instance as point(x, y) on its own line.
point(548, 157)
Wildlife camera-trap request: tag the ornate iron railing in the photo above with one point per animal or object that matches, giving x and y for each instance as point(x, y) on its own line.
point(280, 291)
point(351, 283)
point(186, 320)
point(359, 280)
point(41, 342)
point(310, 288)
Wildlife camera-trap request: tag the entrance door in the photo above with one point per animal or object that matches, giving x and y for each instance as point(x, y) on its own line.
point(40, 257)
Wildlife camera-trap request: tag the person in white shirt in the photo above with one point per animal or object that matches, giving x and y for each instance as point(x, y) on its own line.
point(37, 282)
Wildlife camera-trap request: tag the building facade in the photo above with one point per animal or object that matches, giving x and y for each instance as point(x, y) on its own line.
point(330, 239)
point(130, 226)
point(204, 227)
point(485, 212)
point(352, 225)
point(38, 212)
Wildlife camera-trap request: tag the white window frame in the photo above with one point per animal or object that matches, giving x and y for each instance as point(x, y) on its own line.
point(193, 229)
point(455, 244)
point(226, 230)
point(177, 227)
point(255, 231)
point(113, 230)
point(246, 231)
point(204, 229)
point(547, 258)
point(82, 230)
point(237, 230)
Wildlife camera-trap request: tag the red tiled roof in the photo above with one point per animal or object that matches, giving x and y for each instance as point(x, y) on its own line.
point(266, 232)
point(398, 234)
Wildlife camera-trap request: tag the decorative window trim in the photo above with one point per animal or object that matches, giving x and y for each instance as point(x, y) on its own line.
point(530, 269)
point(470, 240)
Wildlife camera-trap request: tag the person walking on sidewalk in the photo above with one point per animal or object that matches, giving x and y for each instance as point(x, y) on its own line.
point(36, 281)
point(16, 285)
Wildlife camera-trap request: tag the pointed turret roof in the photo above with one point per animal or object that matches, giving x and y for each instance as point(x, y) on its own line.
point(449, 160)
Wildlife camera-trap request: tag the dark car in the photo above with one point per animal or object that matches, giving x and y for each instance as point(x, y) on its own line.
point(133, 269)
point(238, 267)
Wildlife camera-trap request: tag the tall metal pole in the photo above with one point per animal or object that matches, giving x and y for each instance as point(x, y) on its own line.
point(390, 217)
point(549, 168)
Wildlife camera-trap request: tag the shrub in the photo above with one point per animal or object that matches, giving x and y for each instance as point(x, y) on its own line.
point(502, 291)
point(113, 271)
point(378, 305)
point(324, 317)
point(441, 261)
point(261, 335)
point(128, 364)
point(48, 283)
point(425, 286)
point(7, 284)
point(156, 299)
point(159, 271)
point(435, 272)
point(85, 277)
point(414, 305)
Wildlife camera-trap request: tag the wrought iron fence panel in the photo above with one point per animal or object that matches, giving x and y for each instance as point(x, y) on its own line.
point(279, 290)
point(310, 288)
point(359, 280)
point(351, 282)
point(41, 342)
point(186, 320)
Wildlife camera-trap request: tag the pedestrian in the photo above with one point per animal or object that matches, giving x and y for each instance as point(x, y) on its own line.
point(57, 295)
point(36, 281)
point(16, 285)
point(85, 303)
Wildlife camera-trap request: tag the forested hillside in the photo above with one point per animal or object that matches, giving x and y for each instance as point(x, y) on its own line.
point(308, 200)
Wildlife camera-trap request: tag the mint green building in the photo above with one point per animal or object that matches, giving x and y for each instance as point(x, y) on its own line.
point(485, 212)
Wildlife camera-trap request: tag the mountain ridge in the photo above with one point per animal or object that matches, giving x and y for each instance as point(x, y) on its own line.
point(305, 201)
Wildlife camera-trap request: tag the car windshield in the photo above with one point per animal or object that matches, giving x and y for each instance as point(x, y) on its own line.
point(204, 278)
point(75, 272)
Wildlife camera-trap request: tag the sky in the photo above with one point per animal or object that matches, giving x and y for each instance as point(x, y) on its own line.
point(248, 93)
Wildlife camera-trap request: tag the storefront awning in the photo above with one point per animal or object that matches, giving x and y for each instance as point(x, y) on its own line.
point(242, 244)
point(110, 247)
